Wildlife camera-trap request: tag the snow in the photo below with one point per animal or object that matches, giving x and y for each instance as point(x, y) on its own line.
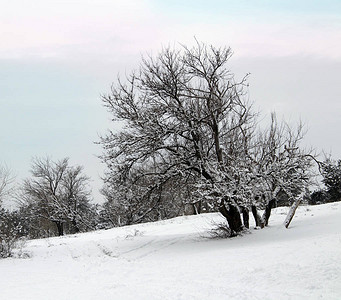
point(175, 259)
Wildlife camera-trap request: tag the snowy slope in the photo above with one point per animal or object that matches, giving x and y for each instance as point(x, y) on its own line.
point(174, 259)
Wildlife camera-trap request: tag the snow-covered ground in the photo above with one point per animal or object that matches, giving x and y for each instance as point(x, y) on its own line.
point(174, 259)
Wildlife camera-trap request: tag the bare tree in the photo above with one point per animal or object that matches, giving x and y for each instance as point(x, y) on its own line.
point(6, 181)
point(177, 109)
point(59, 193)
point(281, 166)
point(11, 230)
point(187, 120)
point(9, 223)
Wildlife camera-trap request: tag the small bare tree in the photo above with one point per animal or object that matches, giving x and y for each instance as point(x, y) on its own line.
point(281, 166)
point(6, 181)
point(59, 193)
point(9, 225)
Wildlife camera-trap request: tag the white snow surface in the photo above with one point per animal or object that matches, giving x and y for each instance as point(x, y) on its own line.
point(175, 259)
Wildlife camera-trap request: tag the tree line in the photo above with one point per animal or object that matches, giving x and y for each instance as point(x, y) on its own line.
point(190, 142)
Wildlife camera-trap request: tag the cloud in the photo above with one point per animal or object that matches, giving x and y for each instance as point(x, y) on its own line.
point(49, 28)
point(103, 29)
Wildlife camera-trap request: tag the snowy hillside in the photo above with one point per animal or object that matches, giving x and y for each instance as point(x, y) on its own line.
point(174, 259)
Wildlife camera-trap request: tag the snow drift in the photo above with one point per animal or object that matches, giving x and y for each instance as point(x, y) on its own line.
point(175, 259)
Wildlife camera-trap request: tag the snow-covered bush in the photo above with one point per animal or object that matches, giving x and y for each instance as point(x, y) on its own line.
point(10, 232)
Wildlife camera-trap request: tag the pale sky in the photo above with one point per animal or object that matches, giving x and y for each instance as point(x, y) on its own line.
point(58, 57)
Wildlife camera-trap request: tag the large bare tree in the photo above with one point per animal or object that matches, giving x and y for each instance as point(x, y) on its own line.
point(177, 110)
point(185, 119)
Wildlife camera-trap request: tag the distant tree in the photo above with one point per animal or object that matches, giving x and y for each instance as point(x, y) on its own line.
point(123, 208)
point(11, 230)
point(6, 181)
point(59, 193)
point(10, 225)
point(331, 172)
point(319, 197)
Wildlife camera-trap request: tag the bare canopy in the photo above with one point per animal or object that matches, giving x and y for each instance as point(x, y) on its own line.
point(189, 131)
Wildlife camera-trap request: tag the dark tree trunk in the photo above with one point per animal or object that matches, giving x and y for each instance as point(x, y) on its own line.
point(75, 226)
point(232, 215)
point(267, 211)
point(245, 212)
point(258, 219)
point(60, 227)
